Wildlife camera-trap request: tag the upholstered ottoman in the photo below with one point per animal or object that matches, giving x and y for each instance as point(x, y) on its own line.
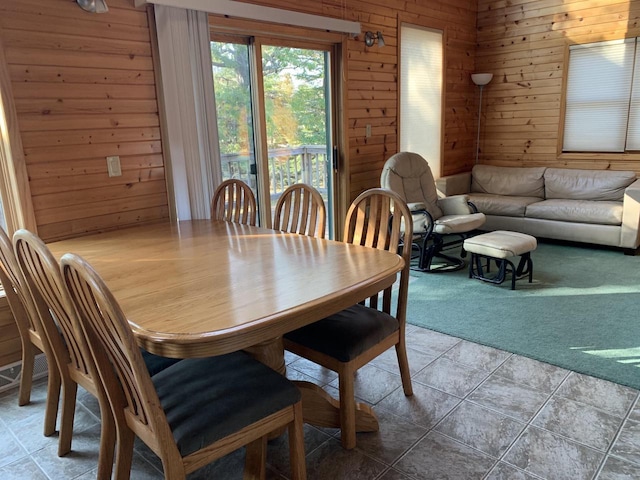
point(500, 246)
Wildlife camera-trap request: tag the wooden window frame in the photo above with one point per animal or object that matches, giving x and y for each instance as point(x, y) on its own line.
point(14, 180)
point(631, 156)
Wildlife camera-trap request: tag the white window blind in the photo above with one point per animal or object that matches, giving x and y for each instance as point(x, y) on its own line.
point(633, 131)
point(421, 70)
point(598, 94)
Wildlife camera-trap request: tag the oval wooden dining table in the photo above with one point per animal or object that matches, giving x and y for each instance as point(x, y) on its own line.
point(200, 288)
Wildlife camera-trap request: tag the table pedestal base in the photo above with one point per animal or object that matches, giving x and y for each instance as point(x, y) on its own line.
point(322, 410)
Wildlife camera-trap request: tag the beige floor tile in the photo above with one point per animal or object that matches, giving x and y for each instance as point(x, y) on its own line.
point(610, 397)
point(617, 469)
point(451, 377)
point(579, 422)
point(532, 373)
point(485, 430)
point(550, 456)
point(440, 458)
point(477, 356)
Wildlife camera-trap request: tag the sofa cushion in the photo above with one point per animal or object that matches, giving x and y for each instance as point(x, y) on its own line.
point(573, 184)
point(501, 204)
point(577, 211)
point(515, 181)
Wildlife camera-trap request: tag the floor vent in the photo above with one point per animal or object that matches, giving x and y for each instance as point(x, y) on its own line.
point(10, 374)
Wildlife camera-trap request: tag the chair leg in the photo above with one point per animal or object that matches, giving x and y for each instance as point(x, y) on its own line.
point(347, 408)
point(296, 445)
point(405, 373)
point(107, 442)
point(255, 463)
point(124, 452)
point(54, 384)
point(26, 375)
point(69, 393)
point(433, 247)
point(426, 254)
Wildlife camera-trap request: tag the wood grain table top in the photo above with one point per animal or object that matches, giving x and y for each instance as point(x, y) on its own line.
point(201, 287)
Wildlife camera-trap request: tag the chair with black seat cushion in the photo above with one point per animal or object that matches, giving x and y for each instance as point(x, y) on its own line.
point(32, 337)
point(192, 412)
point(75, 364)
point(350, 339)
point(300, 209)
point(234, 201)
point(439, 224)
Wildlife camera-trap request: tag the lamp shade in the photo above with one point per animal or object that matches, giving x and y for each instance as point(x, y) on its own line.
point(481, 79)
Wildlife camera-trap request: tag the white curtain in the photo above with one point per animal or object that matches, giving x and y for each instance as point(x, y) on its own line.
point(191, 137)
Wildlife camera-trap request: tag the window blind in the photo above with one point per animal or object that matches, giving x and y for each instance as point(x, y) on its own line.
point(598, 92)
point(421, 70)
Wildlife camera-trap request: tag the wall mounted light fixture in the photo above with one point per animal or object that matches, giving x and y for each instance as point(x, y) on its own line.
point(480, 79)
point(370, 38)
point(93, 6)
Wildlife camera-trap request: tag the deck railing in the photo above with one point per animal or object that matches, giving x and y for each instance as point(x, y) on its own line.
point(287, 166)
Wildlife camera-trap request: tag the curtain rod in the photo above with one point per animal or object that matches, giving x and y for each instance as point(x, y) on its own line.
point(259, 12)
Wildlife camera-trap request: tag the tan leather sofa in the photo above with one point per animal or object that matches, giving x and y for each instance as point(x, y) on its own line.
point(591, 206)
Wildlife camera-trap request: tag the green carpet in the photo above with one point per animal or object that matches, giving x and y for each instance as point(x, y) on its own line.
point(582, 311)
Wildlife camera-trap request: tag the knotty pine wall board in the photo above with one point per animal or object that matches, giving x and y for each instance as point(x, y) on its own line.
point(10, 345)
point(84, 89)
point(524, 43)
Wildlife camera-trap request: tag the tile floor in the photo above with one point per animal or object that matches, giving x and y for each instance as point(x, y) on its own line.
point(477, 413)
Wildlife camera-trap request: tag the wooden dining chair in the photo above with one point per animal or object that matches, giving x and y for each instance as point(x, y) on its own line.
point(194, 411)
point(300, 209)
point(233, 201)
point(32, 337)
point(350, 339)
point(72, 356)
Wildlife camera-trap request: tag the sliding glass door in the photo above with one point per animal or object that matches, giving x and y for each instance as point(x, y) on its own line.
point(275, 116)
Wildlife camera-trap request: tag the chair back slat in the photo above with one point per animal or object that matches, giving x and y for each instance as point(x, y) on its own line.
point(43, 278)
point(119, 359)
point(18, 296)
point(374, 220)
point(233, 201)
point(301, 209)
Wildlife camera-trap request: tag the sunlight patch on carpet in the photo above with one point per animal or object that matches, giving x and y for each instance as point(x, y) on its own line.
point(622, 355)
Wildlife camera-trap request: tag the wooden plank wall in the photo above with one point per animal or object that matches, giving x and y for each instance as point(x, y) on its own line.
point(10, 346)
point(372, 73)
point(84, 89)
point(524, 43)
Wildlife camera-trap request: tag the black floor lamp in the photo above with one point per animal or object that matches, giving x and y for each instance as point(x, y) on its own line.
point(480, 79)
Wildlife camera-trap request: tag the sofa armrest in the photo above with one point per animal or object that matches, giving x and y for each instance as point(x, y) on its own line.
point(630, 234)
point(457, 184)
point(455, 205)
